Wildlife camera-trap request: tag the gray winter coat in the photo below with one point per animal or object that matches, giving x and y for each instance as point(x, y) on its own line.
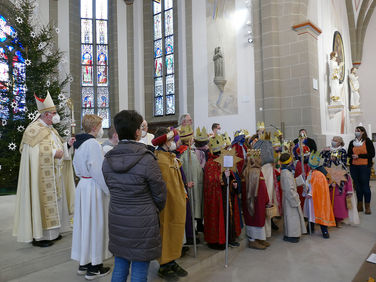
point(138, 193)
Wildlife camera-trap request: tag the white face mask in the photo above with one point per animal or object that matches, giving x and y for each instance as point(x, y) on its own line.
point(100, 133)
point(357, 134)
point(334, 144)
point(219, 132)
point(172, 146)
point(55, 118)
point(143, 134)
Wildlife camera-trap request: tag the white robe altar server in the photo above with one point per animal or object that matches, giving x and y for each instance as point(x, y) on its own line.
point(90, 222)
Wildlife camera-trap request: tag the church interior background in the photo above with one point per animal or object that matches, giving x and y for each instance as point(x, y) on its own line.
point(233, 62)
point(158, 58)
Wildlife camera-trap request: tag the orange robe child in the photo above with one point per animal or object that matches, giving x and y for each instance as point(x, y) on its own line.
point(317, 207)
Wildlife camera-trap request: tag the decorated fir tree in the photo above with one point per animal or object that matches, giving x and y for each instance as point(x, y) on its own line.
point(29, 63)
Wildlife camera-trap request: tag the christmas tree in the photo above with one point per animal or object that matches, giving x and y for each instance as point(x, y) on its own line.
point(29, 63)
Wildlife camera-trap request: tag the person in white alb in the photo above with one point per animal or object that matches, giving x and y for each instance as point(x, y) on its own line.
point(90, 222)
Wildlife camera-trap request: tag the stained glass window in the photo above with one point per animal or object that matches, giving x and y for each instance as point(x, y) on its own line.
point(164, 70)
point(12, 72)
point(94, 59)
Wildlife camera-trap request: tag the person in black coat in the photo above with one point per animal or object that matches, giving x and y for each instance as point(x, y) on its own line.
point(138, 193)
point(309, 142)
point(361, 152)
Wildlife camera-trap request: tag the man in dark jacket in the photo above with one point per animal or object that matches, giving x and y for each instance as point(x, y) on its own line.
point(309, 142)
point(138, 194)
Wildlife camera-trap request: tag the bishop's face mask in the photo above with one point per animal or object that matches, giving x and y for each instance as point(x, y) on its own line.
point(55, 119)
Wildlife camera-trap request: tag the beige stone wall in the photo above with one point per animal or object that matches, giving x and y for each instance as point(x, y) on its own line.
point(285, 65)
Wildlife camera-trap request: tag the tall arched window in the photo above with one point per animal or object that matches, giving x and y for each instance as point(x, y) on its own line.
point(94, 59)
point(164, 71)
point(12, 74)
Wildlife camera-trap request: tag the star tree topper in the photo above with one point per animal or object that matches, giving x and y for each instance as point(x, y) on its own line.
point(227, 158)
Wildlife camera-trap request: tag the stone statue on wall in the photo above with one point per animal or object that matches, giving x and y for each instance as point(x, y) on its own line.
point(354, 86)
point(219, 76)
point(335, 73)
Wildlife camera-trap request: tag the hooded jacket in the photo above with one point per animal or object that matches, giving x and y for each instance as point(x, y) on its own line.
point(138, 193)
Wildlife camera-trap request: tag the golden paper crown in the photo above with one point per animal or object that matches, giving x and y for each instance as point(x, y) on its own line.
point(216, 143)
point(278, 133)
point(314, 160)
point(185, 132)
point(226, 139)
point(246, 132)
point(46, 104)
point(260, 125)
point(276, 142)
point(254, 153)
point(201, 135)
point(239, 132)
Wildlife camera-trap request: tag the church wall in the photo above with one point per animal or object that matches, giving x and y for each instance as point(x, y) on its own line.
point(331, 16)
point(239, 67)
point(367, 77)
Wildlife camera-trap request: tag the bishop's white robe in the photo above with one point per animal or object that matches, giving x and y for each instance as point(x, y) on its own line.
point(45, 190)
point(90, 222)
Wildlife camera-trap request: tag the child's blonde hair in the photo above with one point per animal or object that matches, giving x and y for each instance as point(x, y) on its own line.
point(90, 122)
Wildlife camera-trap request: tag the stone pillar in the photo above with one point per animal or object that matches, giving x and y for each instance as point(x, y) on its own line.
point(286, 64)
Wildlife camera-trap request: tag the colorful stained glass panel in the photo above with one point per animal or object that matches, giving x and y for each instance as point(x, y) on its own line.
point(170, 64)
point(170, 104)
point(101, 32)
point(169, 22)
point(168, 4)
point(157, 27)
point(158, 48)
point(158, 67)
point(105, 115)
point(102, 94)
point(86, 31)
point(170, 84)
point(156, 8)
point(158, 87)
point(87, 54)
point(86, 8)
point(87, 95)
point(158, 106)
point(19, 70)
point(86, 111)
point(102, 76)
point(4, 71)
point(169, 45)
point(102, 55)
point(87, 75)
point(101, 9)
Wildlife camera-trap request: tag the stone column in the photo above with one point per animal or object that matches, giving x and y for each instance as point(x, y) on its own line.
point(286, 64)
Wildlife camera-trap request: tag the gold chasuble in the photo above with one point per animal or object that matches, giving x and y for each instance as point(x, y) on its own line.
point(172, 217)
point(40, 181)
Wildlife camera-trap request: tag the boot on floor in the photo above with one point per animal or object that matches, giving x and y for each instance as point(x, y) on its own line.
point(368, 208)
point(360, 206)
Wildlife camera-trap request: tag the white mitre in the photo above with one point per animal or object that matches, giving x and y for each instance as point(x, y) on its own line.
point(46, 104)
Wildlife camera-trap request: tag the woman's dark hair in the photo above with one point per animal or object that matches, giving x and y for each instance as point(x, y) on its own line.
point(363, 130)
point(126, 124)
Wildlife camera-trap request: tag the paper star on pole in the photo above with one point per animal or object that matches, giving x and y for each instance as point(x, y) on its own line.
point(336, 174)
point(225, 156)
